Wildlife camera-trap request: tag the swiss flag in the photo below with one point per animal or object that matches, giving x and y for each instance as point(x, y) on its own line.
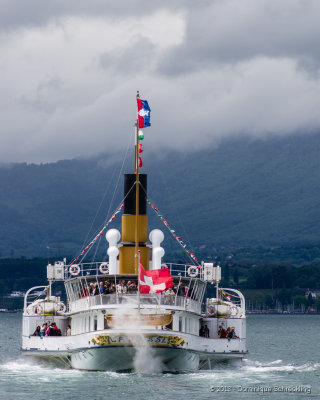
point(155, 281)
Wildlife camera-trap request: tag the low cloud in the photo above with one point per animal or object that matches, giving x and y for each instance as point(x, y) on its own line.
point(70, 74)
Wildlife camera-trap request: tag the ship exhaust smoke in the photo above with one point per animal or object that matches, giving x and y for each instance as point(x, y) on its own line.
point(145, 360)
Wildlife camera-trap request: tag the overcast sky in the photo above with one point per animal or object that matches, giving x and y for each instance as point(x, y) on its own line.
point(209, 69)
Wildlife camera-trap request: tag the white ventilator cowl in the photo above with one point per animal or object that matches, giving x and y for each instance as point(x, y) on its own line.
point(156, 237)
point(113, 236)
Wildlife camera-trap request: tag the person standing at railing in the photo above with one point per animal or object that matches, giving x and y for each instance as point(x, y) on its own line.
point(181, 289)
point(106, 288)
point(169, 296)
point(43, 329)
point(112, 288)
point(132, 287)
point(121, 288)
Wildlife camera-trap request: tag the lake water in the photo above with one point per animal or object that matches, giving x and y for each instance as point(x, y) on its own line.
point(283, 363)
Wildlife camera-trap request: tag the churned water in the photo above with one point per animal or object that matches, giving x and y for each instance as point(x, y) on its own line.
point(283, 363)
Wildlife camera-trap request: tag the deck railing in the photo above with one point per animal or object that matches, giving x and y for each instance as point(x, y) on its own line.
point(97, 268)
point(153, 300)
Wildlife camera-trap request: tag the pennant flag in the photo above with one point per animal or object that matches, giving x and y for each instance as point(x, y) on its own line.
point(141, 135)
point(140, 162)
point(140, 149)
point(155, 281)
point(143, 113)
point(172, 231)
point(98, 235)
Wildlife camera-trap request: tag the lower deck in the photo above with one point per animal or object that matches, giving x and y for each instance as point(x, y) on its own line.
point(120, 350)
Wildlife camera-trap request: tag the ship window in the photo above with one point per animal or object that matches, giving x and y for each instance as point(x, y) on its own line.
point(180, 324)
point(95, 323)
point(106, 326)
point(89, 325)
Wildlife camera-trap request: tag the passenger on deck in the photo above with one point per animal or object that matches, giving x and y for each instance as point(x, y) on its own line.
point(222, 332)
point(121, 288)
point(43, 329)
point(169, 296)
point(37, 331)
point(132, 287)
point(96, 290)
point(106, 288)
point(91, 289)
point(181, 289)
point(101, 287)
point(206, 331)
point(84, 291)
point(232, 333)
point(112, 288)
point(201, 331)
point(68, 330)
point(53, 330)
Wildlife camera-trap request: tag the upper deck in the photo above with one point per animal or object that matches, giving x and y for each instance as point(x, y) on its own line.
point(102, 269)
point(91, 288)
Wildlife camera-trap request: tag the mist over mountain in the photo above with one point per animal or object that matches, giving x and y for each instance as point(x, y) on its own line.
point(243, 193)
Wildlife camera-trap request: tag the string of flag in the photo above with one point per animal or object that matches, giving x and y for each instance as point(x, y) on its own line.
point(84, 250)
point(173, 233)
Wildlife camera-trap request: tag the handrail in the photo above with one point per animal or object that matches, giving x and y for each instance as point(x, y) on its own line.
point(28, 292)
point(93, 269)
point(87, 302)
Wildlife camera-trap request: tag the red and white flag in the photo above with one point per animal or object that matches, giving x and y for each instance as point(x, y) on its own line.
point(155, 281)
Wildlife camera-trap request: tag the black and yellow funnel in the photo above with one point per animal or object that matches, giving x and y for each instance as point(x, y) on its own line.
point(127, 256)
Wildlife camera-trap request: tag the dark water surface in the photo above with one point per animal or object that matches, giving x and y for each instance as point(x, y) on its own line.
point(284, 361)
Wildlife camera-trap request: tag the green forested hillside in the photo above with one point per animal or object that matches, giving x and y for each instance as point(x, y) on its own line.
point(240, 194)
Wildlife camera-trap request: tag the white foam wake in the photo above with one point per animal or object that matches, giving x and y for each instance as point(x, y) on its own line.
point(276, 366)
point(145, 360)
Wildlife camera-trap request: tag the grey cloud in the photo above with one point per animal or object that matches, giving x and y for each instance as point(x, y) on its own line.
point(17, 13)
point(46, 96)
point(140, 55)
point(69, 87)
point(231, 31)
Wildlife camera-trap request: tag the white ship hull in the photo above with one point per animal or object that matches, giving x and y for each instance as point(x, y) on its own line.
point(152, 351)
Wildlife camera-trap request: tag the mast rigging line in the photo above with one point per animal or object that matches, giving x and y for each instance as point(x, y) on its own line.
point(86, 249)
point(104, 195)
point(172, 232)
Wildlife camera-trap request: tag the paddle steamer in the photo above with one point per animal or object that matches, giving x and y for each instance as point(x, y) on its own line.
point(121, 308)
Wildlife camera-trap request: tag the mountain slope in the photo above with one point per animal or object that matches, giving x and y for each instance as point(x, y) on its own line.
point(242, 193)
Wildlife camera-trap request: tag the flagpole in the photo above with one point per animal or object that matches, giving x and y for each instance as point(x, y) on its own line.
point(139, 284)
point(137, 196)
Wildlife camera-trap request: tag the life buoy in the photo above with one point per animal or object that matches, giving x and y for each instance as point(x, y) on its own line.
point(61, 307)
point(164, 266)
point(193, 271)
point(104, 268)
point(74, 270)
point(233, 311)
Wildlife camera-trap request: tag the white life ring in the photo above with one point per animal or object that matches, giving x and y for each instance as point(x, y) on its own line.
point(193, 271)
point(61, 307)
point(164, 266)
point(104, 268)
point(74, 270)
point(233, 310)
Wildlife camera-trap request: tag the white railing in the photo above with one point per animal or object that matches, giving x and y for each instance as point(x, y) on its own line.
point(96, 268)
point(35, 293)
point(154, 300)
